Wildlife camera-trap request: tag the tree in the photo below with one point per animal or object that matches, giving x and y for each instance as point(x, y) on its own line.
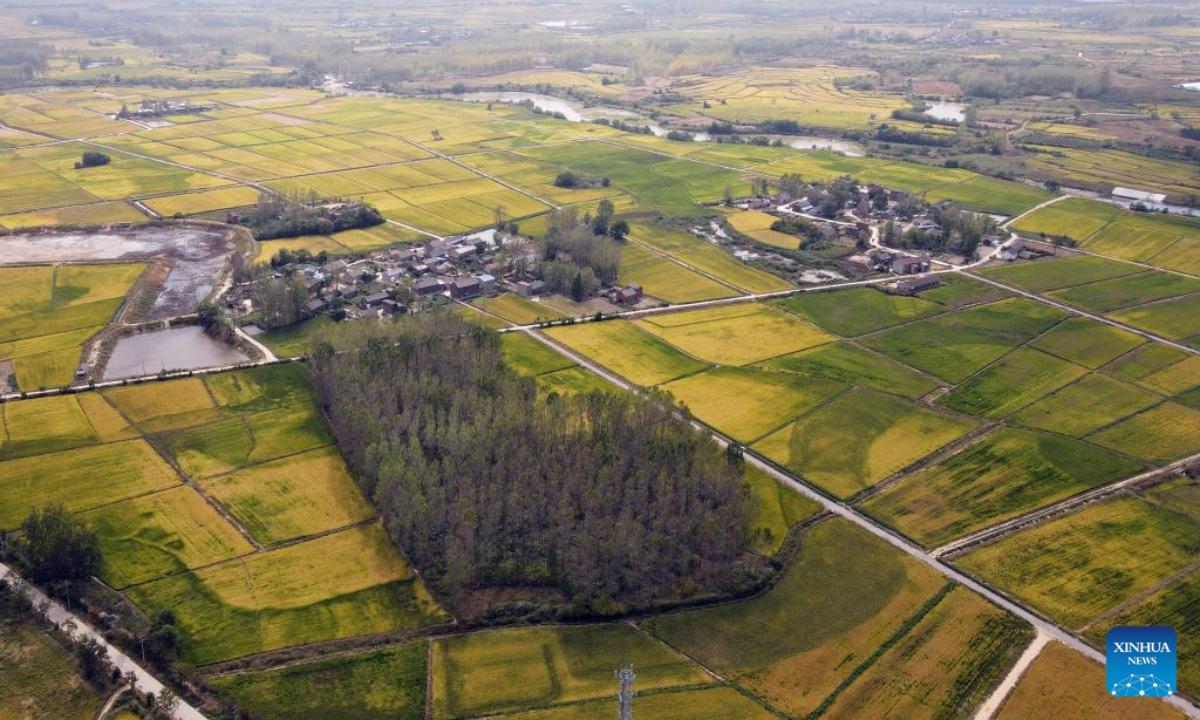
point(166, 703)
point(93, 159)
point(791, 185)
point(618, 230)
point(727, 197)
point(577, 288)
point(59, 546)
point(92, 659)
point(604, 214)
point(279, 301)
point(498, 217)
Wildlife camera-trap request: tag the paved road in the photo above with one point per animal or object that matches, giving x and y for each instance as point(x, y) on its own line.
point(1042, 625)
point(59, 615)
point(991, 706)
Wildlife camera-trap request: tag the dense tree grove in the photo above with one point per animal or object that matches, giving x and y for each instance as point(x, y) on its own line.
point(59, 547)
point(615, 500)
point(279, 217)
point(580, 248)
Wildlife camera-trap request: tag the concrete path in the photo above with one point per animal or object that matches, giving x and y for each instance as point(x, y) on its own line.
point(58, 615)
point(991, 706)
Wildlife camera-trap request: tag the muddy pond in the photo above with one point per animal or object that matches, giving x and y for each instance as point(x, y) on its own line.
point(180, 348)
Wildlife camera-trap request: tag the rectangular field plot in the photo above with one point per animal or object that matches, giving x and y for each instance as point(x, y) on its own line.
point(386, 684)
point(1144, 287)
point(505, 670)
point(1074, 218)
point(958, 290)
point(1062, 681)
point(125, 177)
point(341, 585)
point(621, 347)
point(517, 309)
point(1044, 275)
point(1160, 434)
point(757, 226)
point(991, 195)
point(529, 356)
point(113, 211)
point(1087, 405)
point(774, 509)
point(666, 184)
point(263, 388)
point(80, 479)
point(956, 345)
point(667, 280)
point(852, 364)
point(1005, 474)
point(708, 258)
point(217, 448)
point(207, 201)
point(154, 407)
point(1016, 380)
point(40, 678)
point(1076, 567)
point(790, 646)
point(161, 534)
point(857, 311)
point(718, 703)
point(573, 381)
point(928, 673)
point(1087, 342)
point(747, 404)
point(1174, 319)
point(61, 422)
point(859, 439)
point(735, 335)
point(292, 497)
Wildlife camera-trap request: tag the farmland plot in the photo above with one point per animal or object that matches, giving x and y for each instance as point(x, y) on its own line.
point(1016, 380)
point(708, 258)
point(1076, 567)
point(1006, 474)
point(667, 280)
point(1087, 342)
point(775, 509)
point(623, 348)
point(859, 439)
point(1074, 410)
point(1162, 433)
point(734, 335)
point(858, 310)
point(852, 364)
point(1143, 287)
point(1045, 275)
point(795, 644)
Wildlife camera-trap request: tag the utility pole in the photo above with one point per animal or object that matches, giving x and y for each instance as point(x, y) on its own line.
point(625, 678)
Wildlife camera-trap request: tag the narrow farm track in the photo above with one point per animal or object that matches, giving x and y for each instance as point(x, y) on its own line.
point(1043, 626)
point(59, 615)
point(991, 706)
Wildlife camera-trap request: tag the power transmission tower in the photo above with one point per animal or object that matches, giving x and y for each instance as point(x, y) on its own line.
point(625, 678)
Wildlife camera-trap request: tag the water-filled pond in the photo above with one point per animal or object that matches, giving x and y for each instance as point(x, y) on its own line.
point(179, 348)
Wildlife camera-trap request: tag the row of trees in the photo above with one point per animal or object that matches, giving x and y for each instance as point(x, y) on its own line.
point(614, 500)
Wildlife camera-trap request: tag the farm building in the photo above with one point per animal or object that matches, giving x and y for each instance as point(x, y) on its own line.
point(912, 286)
point(1124, 193)
point(909, 264)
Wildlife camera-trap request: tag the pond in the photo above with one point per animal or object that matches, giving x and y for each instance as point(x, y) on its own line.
point(180, 348)
point(947, 111)
point(199, 254)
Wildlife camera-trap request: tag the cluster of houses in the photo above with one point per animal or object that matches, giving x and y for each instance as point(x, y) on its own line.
point(399, 280)
point(154, 108)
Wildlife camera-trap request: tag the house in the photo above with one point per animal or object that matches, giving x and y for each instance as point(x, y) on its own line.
point(315, 306)
point(926, 225)
point(462, 252)
point(629, 295)
point(465, 287)
point(909, 264)
point(375, 298)
point(1131, 194)
point(428, 286)
point(912, 286)
point(527, 289)
point(487, 284)
point(1012, 250)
